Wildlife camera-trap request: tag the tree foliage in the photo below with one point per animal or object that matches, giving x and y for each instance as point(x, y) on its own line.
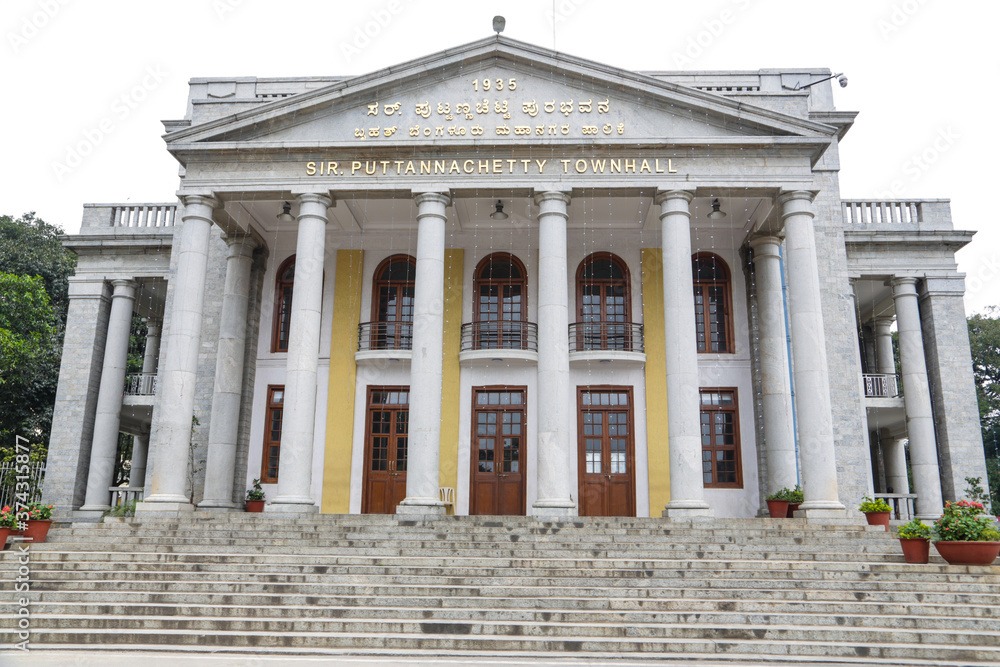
point(34, 268)
point(984, 339)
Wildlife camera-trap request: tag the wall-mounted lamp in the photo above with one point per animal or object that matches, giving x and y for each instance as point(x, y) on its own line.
point(498, 24)
point(841, 79)
point(716, 214)
point(499, 214)
point(286, 214)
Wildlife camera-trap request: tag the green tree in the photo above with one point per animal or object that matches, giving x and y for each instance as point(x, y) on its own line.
point(984, 339)
point(36, 267)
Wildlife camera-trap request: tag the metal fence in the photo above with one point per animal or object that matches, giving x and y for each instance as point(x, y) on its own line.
point(10, 476)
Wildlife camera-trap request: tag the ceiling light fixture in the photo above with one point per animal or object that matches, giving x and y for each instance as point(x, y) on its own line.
point(499, 214)
point(716, 214)
point(286, 214)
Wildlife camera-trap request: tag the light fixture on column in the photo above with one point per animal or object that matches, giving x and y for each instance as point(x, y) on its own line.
point(716, 214)
point(499, 214)
point(498, 24)
point(286, 214)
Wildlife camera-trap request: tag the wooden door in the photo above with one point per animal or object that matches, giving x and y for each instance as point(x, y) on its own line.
point(498, 430)
point(385, 449)
point(606, 452)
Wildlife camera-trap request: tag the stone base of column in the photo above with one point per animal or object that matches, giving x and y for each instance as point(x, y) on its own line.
point(94, 508)
point(289, 507)
point(554, 508)
point(818, 514)
point(219, 506)
point(412, 506)
point(927, 517)
point(687, 513)
point(164, 508)
point(87, 515)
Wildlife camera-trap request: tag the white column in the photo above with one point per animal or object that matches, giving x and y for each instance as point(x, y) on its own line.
point(109, 397)
point(687, 487)
point(178, 372)
point(424, 437)
point(776, 392)
point(140, 443)
point(894, 454)
point(917, 400)
point(223, 428)
point(884, 361)
point(812, 378)
point(555, 497)
point(298, 423)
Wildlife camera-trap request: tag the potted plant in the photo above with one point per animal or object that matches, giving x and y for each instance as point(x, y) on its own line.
point(914, 539)
point(965, 535)
point(255, 497)
point(8, 522)
point(777, 503)
point(39, 522)
point(876, 511)
point(795, 498)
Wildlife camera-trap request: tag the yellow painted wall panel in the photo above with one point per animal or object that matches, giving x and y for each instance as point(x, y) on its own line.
point(657, 442)
point(450, 380)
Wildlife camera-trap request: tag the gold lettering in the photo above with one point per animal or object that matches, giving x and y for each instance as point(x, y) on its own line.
point(510, 166)
point(525, 163)
point(438, 166)
point(410, 169)
point(598, 165)
point(566, 107)
point(565, 164)
point(310, 168)
point(468, 166)
point(550, 106)
point(541, 165)
point(385, 166)
point(399, 166)
point(497, 166)
point(484, 166)
point(355, 166)
point(370, 171)
point(670, 166)
point(425, 166)
point(616, 166)
point(454, 168)
point(645, 167)
point(581, 166)
point(439, 131)
point(373, 109)
point(585, 107)
point(602, 107)
point(331, 168)
point(658, 170)
point(424, 109)
point(629, 166)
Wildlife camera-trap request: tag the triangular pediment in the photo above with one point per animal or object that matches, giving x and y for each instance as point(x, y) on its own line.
point(497, 92)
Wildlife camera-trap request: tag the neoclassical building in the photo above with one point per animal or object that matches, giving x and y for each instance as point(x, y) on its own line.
point(504, 280)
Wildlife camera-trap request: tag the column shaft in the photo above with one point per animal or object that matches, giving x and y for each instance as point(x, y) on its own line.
point(109, 397)
point(224, 425)
point(687, 489)
point(140, 450)
point(426, 366)
point(555, 497)
point(894, 455)
point(776, 393)
point(885, 362)
point(917, 400)
point(151, 353)
point(299, 420)
point(812, 378)
point(176, 383)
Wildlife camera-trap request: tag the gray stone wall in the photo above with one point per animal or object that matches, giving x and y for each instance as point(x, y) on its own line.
point(953, 392)
point(76, 397)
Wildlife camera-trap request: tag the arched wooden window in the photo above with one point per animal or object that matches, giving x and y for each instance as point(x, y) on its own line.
point(501, 305)
point(283, 284)
point(712, 303)
point(603, 303)
point(392, 303)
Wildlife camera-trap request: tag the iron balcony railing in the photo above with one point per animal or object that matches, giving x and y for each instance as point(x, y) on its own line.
point(500, 336)
point(605, 336)
point(385, 336)
point(140, 384)
point(881, 385)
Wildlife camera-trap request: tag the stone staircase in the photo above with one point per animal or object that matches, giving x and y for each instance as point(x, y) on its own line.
point(721, 590)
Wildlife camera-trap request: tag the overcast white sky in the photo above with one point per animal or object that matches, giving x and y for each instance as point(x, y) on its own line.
point(923, 74)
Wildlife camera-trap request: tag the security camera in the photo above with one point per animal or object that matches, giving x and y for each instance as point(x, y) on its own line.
point(842, 80)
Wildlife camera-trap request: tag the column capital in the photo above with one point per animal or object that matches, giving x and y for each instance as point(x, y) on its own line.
point(796, 202)
point(203, 200)
point(552, 195)
point(124, 288)
point(240, 245)
point(314, 198)
point(883, 323)
point(666, 195)
point(442, 198)
point(765, 246)
point(903, 285)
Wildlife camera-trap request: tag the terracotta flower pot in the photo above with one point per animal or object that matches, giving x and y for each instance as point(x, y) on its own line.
point(968, 553)
point(4, 532)
point(255, 506)
point(878, 519)
point(791, 510)
point(916, 550)
point(778, 509)
point(37, 530)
